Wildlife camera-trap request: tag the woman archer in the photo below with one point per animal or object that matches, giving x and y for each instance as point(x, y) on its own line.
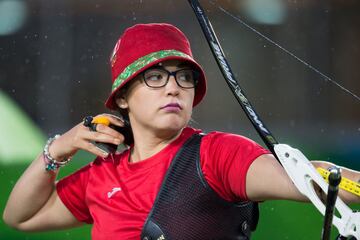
point(172, 182)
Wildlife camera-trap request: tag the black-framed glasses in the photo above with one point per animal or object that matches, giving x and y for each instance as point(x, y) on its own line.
point(159, 77)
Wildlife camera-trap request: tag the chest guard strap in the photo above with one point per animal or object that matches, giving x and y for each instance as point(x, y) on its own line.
point(187, 208)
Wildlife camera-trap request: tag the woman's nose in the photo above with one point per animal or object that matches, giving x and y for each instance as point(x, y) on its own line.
point(172, 87)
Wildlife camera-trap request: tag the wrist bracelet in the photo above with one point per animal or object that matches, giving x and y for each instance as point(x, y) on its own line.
point(51, 163)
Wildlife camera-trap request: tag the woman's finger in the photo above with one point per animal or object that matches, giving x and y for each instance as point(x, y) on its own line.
point(101, 128)
point(90, 147)
point(118, 121)
point(103, 134)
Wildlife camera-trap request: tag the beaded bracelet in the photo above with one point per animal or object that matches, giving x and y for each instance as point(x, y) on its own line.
point(51, 163)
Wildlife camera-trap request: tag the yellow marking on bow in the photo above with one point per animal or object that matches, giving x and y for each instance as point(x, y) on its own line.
point(346, 184)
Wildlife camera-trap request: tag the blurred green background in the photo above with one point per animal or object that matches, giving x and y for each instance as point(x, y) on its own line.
point(54, 71)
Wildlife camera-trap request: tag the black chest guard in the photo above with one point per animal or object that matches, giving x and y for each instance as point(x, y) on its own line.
point(187, 208)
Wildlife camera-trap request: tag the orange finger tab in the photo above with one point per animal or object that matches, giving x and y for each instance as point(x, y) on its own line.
point(101, 120)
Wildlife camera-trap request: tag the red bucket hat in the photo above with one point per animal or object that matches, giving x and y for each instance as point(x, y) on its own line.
point(145, 45)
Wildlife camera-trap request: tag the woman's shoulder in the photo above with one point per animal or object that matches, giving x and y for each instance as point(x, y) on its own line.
point(226, 137)
point(217, 136)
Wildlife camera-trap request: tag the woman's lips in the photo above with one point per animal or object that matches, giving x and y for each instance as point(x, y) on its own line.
point(172, 107)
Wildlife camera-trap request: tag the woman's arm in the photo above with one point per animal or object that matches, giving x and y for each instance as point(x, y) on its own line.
point(266, 179)
point(33, 204)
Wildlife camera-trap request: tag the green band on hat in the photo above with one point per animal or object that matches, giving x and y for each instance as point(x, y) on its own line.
point(142, 62)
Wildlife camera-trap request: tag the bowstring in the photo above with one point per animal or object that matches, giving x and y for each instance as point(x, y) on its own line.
point(324, 76)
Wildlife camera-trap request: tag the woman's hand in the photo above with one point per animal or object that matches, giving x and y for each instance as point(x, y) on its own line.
point(80, 137)
point(265, 167)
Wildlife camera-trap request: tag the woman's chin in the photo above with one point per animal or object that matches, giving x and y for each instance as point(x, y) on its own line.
point(172, 126)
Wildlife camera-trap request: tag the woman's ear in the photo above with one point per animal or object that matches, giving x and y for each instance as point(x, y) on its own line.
point(121, 102)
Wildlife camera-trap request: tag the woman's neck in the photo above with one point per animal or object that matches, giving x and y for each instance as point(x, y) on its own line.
point(147, 143)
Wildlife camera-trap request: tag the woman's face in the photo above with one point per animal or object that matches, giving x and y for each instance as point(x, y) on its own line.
point(166, 108)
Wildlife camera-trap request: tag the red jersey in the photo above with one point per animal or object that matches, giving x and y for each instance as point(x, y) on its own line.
point(117, 196)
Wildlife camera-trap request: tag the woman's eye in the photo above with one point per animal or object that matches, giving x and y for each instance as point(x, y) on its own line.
point(154, 77)
point(185, 77)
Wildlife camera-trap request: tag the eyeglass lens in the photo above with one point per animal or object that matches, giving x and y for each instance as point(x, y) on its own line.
point(156, 78)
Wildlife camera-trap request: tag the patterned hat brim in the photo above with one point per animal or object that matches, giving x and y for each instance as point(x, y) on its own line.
point(146, 62)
